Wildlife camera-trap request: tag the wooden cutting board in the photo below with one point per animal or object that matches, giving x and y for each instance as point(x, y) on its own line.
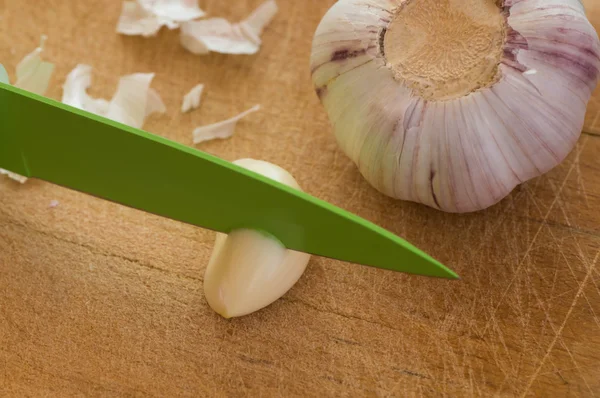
point(101, 300)
point(592, 120)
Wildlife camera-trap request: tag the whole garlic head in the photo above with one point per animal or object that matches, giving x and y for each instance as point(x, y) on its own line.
point(453, 103)
point(249, 270)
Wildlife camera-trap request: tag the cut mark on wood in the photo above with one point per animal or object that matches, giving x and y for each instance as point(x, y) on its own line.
point(344, 341)
point(410, 373)
point(562, 326)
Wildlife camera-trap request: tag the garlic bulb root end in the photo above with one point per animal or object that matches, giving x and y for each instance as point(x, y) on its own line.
point(453, 103)
point(445, 49)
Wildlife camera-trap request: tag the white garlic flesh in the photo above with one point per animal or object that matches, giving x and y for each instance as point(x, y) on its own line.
point(453, 103)
point(249, 270)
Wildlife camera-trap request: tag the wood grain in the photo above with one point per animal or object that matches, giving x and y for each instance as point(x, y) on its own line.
point(592, 120)
point(101, 300)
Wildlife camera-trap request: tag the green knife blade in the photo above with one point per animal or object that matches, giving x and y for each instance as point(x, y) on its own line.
point(45, 139)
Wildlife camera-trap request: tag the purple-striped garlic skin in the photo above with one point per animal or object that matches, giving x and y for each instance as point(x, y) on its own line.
point(502, 99)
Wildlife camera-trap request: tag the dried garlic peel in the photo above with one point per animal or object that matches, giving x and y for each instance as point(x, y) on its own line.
point(453, 103)
point(146, 17)
point(134, 100)
point(132, 103)
point(14, 176)
point(174, 10)
point(3, 75)
point(255, 23)
point(192, 99)
point(219, 35)
point(75, 91)
point(33, 74)
point(249, 270)
point(136, 21)
point(221, 130)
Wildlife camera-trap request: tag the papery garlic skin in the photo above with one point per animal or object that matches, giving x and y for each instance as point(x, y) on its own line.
point(249, 270)
point(192, 99)
point(75, 91)
point(146, 17)
point(137, 21)
point(458, 139)
point(220, 130)
point(173, 10)
point(220, 35)
point(14, 176)
point(3, 75)
point(33, 75)
point(133, 102)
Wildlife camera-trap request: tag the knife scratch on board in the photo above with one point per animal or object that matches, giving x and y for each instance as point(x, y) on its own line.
point(587, 264)
point(411, 373)
point(329, 284)
point(561, 203)
point(580, 292)
point(537, 233)
point(581, 183)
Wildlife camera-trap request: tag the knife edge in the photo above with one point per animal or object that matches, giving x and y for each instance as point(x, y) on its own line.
point(293, 240)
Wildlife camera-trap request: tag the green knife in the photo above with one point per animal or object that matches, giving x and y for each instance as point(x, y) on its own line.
point(45, 139)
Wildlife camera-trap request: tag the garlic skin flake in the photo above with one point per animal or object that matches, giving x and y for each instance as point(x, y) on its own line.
point(75, 91)
point(134, 100)
point(221, 130)
point(132, 103)
point(146, 17)
point(454, 103)
point(192, 99)
point(173, 10)
point(219, 35)
point(3, 75)
point(136, 21)
point(33, 74)
point(249, 270)
point(14, 176)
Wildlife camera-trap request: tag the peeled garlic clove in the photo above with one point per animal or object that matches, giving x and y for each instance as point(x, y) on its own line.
point(249, 270)
point(451, 103)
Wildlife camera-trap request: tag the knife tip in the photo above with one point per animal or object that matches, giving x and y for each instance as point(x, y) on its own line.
point(447, 273)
